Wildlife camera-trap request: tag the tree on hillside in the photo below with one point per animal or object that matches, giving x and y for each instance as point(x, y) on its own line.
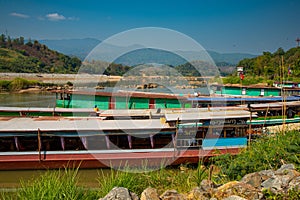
point(2, 40)
point(8, 41)
point(29, 43)
point(269, 65)
point(21, 40)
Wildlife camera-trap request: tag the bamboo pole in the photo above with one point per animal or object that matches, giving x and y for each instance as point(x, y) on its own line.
point(175, 137)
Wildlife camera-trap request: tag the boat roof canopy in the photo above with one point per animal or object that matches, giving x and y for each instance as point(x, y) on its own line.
point(205, 116)
point(244, 99)
point(83, 124)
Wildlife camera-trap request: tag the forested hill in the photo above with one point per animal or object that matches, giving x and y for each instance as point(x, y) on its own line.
point(33, 57)
point(274, 66)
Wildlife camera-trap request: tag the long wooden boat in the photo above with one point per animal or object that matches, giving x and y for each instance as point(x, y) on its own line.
point(149, 100)
point(181, 136)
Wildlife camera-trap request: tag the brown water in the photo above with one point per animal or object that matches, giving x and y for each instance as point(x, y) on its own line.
point(12, 179)
point(46, 100)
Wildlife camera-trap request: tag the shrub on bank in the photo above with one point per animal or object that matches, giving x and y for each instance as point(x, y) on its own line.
point(20, 84)
point(268, 152)
point(4, 84)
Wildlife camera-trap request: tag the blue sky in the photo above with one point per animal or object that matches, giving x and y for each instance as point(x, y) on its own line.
point(225, 26)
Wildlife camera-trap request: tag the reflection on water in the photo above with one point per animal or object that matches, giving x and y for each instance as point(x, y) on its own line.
point(46, 100)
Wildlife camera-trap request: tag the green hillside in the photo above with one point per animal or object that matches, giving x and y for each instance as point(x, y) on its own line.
point(274, 66)
point(269, 68)
point(33, 57)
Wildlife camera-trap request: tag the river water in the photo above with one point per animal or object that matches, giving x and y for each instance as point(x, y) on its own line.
point(12, 179)
point(45, 99)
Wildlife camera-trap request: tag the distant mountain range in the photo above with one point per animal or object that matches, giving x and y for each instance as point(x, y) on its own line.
point(82, 47)
point(72, 47)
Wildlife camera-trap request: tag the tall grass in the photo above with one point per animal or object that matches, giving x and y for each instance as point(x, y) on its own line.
point(58, 184)
point(269, 152)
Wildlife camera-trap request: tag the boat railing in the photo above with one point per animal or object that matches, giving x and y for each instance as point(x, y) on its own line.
point(189, 142)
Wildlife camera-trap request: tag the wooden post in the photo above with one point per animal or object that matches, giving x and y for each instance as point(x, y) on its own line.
point(107, 141)
point(176, 133)
point(62, 142)
point(250, 128)
point(17, 143)
point(63, 96)
point(174, 137)
point(39, 144)
point(129, 141)
point(152, 140)
point(84, 142)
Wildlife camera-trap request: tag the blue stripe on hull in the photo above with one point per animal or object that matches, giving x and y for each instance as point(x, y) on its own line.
point(221, 143)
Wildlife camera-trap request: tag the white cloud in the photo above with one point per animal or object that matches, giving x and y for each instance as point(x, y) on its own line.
point(20, 15)
point(55, 17)
point(58, 17)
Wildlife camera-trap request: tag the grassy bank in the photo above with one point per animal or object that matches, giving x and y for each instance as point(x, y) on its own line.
point(20, 84)
point(268, 152)
point(63, 184)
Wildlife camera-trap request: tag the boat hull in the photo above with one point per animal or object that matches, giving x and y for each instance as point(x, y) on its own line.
point(50, 160)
